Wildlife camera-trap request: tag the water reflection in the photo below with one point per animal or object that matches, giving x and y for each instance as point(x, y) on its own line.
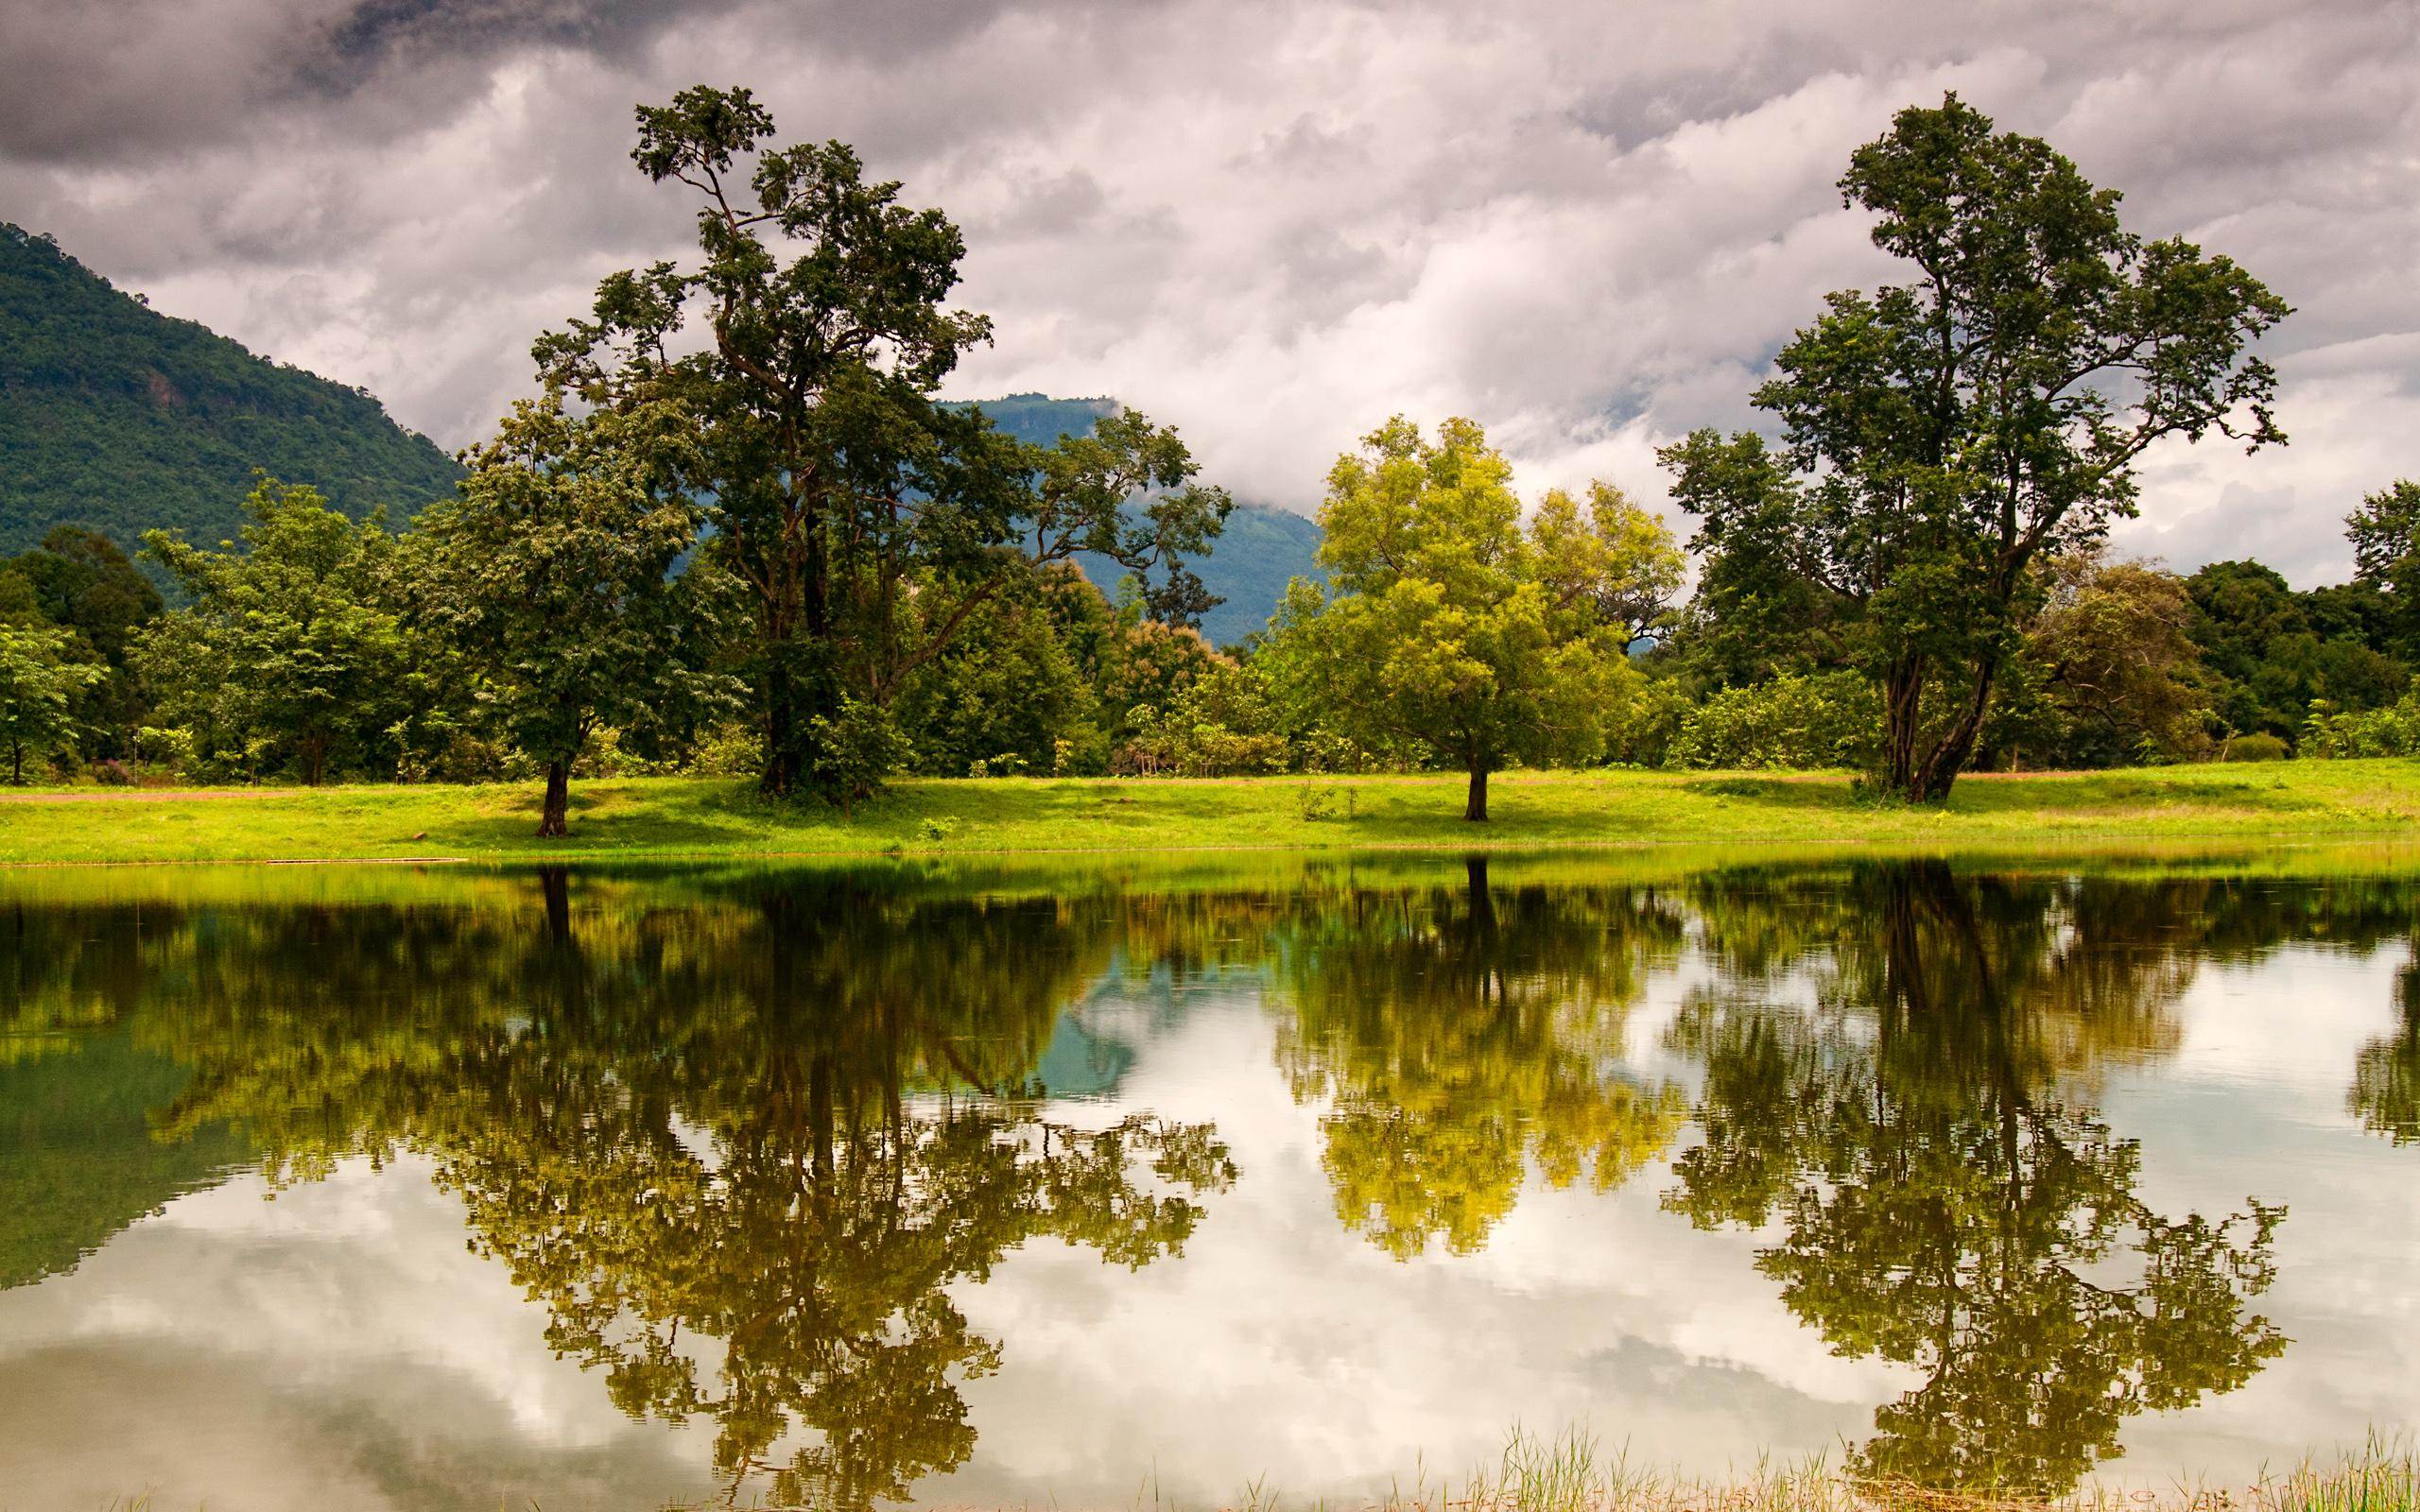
point(1462, 1036)
point(1948, 1198)
point(741, 1135)
point(2385, 1095)
point(784, 1124)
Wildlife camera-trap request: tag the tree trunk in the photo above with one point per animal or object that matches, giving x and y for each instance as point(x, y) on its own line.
point(315, 757)
point(1948, 757)
point(781, 719)
point(16, 764)
point(555, 882)
point(553, 821)
point(1903, 688)
point(1476, 809)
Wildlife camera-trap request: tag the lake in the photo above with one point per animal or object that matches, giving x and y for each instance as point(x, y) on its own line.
point(1199, 1181)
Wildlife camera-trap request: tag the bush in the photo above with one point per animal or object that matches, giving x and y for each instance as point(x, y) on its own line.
point(2370, 732)
point(1791, 722)
point(2258, 747)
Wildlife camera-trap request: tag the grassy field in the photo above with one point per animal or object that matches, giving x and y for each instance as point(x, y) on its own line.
point(675, 817)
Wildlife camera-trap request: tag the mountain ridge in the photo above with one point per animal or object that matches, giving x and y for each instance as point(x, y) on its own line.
point(120, 418)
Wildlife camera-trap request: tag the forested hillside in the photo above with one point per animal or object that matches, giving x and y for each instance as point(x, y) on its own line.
point(1261, 550)
point(122, 421)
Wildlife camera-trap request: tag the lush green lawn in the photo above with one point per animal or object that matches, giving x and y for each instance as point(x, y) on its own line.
point(684, 817)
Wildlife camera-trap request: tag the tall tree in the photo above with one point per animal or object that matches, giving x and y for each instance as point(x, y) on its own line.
point(834, 476)
point(1942, 433)
point(555, 569)
point(1447, 623)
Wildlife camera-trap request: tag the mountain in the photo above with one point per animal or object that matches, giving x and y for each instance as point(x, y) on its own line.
point(1262, 550)
point(121, 419)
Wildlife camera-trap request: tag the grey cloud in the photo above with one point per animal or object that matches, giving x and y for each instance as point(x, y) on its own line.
point(1273, 224)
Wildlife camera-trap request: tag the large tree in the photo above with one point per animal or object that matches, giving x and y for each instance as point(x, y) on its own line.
point(867, 522)
point(1942, 435)
point(555, 570)
point(1446, 624)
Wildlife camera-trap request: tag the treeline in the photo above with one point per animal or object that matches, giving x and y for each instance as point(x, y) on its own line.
point(774, 552)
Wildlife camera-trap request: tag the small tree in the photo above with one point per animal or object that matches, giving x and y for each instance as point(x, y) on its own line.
point(555, 568)
point(38, 689)
point(1447, 625)
point(1960, 426)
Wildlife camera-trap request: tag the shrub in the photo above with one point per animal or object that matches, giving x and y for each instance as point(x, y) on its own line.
point(1833, 721)
point(2258, 747)
point(2369, 733)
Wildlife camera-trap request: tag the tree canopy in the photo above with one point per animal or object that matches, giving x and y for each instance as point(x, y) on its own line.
point(1448, 623)
point(1941, 436)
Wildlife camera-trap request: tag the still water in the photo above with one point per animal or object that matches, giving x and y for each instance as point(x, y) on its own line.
point(423, 1189)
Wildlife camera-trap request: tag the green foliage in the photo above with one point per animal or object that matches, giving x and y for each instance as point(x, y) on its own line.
point(39, 684)
point(1244, 571)
point(2256, 747)
point(122, 422)
point(1791, 723)
point(1953, 430)
point(79, 581)
point(1449, 625)
point(868, 521)
point(2385, 533)
point(1223, 724)
point(554, 572)
point(2107, 673)
point(293, 650)
point(2328, 733)
point(2274, 651)
point(1007, 682)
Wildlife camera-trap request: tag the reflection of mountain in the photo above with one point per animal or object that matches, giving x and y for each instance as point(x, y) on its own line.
point(77, 1158)
point(1942, 1206)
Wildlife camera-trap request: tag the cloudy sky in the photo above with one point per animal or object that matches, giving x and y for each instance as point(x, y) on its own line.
point(1587, 226)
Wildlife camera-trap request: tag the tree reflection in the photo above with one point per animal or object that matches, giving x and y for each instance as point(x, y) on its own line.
point(740, 1151)
point(1462, 1034)
point(2386, 1075)
point(1943, 1207)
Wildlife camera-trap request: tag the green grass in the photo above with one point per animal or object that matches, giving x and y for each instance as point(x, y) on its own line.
point(675, 817)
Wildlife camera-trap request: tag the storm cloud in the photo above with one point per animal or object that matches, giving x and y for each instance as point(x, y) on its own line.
point(1588, 227)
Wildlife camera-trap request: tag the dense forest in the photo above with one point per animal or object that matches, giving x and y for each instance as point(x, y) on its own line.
point(783, 555)
point(116, 419)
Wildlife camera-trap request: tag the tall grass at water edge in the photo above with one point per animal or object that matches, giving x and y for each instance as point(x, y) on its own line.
point(1568, 1473)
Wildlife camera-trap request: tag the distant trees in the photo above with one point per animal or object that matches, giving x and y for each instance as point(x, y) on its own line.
point(1942, 435)
point(293, 648)
point(1449, 624)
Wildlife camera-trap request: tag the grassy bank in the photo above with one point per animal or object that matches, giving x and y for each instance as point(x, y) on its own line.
point(675, 817)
